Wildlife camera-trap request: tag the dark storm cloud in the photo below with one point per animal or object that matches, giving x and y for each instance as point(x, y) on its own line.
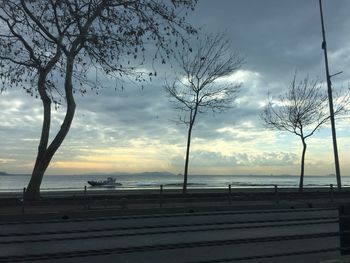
point(277, 37)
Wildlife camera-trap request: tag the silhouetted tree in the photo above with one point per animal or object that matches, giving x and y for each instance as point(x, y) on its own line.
point(197, 88)
point(302, 110)
point(49, 47)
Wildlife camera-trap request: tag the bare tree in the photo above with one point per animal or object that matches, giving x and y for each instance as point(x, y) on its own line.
point(302, 110)
point(49, 47)
point(198, 88)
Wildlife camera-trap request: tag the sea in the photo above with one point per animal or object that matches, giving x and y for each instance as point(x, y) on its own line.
point(16, 182)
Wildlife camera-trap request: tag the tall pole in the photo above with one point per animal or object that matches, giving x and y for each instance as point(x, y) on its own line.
point(330, 98)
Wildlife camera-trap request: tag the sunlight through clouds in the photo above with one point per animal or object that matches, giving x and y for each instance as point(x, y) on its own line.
point(240, 76)
point(133, 129)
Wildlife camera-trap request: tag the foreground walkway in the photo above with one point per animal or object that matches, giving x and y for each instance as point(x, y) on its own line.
point(154, 226)
point(226, 235)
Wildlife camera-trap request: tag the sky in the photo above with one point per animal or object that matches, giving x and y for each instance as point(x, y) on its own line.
point(132, 130)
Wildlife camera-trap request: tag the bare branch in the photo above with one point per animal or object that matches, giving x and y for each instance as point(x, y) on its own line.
point(302, 110)
point(199, 88)
point(63, 40)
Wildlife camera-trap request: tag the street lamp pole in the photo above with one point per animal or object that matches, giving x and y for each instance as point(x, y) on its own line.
point(330, 98)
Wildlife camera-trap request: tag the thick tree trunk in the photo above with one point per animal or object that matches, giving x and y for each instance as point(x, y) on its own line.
point(45, 155)
point(35, 181)
point(301, 182)
point(184, 187)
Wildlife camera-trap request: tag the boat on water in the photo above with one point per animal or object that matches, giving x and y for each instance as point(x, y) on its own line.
point(109, 182)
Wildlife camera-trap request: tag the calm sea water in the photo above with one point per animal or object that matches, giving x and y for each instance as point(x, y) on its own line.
point(14, 183)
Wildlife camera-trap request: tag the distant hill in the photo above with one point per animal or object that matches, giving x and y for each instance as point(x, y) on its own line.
point(3, 173)
point(131, 174)
point(143, 173)
point(156, 173)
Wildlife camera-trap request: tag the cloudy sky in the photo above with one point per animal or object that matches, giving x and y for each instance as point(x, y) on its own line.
point(132, 130)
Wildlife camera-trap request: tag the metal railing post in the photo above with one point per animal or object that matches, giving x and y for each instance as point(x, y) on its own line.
point(23, 194)
point(276, 194)
point(332, 192)
point(161, 196)
point(229, 194)
point(86, 201)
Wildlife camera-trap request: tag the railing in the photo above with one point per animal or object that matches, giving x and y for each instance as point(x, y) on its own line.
point(89, 198)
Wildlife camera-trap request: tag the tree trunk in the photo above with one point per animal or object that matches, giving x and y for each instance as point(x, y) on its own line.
point(45, 155)
point(184, 187)
point(301, 182)
point(35, 181)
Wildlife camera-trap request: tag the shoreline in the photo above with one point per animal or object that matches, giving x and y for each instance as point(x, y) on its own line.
point(171, 188)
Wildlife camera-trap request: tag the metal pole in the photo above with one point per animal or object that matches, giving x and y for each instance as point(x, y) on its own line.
point(330, 98)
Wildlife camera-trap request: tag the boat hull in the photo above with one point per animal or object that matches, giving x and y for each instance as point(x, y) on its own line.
point(101, 184)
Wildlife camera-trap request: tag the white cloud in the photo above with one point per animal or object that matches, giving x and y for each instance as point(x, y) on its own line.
point(130, 129)
point(241, 76)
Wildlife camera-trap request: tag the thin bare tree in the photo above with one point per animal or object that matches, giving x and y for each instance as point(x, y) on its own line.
point(49, 47)
point(199, 85)
point(302, 110)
